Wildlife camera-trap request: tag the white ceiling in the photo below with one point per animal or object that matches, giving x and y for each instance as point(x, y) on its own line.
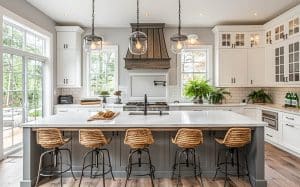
point(195, 13)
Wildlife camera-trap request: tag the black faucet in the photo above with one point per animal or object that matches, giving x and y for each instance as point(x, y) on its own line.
point(145, 104)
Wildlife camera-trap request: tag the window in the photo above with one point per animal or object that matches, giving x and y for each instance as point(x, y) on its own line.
point(195, 64)
point(24, 56)
point(15, 36)
point(103, 70)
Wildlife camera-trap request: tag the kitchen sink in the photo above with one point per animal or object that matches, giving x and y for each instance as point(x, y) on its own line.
point(149, 113)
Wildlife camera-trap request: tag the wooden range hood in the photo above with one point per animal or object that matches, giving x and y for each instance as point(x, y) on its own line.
point(156, 56)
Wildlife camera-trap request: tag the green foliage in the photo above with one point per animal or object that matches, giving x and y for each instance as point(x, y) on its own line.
point(259, 96)
point(104, 93)
point(217, 95)
point(197, 89)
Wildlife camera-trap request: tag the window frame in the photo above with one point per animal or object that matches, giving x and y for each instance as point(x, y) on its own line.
point(209, 67)
point(86, 75)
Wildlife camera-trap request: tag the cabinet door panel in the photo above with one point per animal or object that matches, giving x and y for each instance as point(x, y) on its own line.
point(66, 40)
point(256, 66)
point(290, 136)
point(226, 66)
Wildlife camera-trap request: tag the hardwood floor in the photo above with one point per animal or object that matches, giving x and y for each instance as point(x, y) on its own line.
point(282, 170)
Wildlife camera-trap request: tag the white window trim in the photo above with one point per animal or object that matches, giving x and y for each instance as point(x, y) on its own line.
point(209, 68)
point(86, 70)
point(48, 69)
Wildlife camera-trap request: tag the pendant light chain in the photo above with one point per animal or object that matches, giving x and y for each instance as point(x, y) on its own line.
point(93, 18)
point(179, 17)
point(137, 15)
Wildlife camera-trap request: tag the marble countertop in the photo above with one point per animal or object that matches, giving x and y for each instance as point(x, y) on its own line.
point(175, 119)
point(206, 105)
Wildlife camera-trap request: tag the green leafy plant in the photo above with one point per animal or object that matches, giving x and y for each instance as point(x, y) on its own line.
point(259, 96)
point(217, 95)
point(198, 90)
point(104, 93)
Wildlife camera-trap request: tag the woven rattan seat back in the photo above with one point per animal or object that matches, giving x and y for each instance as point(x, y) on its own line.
point(49, 138)
point(237, 137)
point(92, 138)
point(138, 138)
point(188, 138)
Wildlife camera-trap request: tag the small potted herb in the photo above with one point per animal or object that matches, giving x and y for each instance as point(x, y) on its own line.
point(259, 96)
point(218, 95)
point(104, 95)
point(197, 90)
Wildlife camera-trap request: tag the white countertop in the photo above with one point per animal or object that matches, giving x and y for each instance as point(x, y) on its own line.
point(175, 119)
point(207, 104)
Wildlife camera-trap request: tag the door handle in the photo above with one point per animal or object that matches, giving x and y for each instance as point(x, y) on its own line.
point(290, 118)
point(269, 135)
point(290, 125)
point(64, 81)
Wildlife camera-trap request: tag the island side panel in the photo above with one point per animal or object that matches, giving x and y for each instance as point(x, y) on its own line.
point(256, 158)
point(31, 153)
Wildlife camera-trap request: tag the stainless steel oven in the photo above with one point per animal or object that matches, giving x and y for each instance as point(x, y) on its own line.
point(271, 118)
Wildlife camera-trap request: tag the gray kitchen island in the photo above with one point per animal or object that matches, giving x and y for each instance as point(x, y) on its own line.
point(213, 123)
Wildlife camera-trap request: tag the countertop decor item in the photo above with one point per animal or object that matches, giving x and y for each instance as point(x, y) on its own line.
point(118, 94)
point(198, 90)
point(178, 39)
point(138, 39)
point(104, 95)
point(259, 96)
point(92, 41)
point(107, 115)
point(217, 95)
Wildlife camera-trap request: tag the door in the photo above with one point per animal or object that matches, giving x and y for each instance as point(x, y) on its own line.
point(256, 66)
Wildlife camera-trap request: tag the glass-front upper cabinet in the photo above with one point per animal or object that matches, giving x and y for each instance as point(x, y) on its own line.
point(280, 32)
point(239, 40)
point(226, 40)
point(294, 26)
point(294, 62)
point(269, 37)
point(279, 64)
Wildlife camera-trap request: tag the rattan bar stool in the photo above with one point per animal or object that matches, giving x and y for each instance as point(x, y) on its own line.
point(235, 139)
point(139, 140)
point(187, 140)
point(95, 140)
point(52, 139)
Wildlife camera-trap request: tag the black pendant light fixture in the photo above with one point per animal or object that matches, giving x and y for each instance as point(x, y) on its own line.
point(137, 39)
point(178, 39)
point(92, 42)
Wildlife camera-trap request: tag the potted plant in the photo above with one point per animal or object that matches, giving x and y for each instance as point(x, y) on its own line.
point(217, 95)
point(198, 90)
point(259, 96)
point(104, 95)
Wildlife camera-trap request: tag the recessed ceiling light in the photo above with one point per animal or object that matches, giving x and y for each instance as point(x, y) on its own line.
point(255, 14)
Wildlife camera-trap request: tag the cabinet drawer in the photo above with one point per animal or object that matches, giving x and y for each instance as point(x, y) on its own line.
point(271, 135)
point(290, 118)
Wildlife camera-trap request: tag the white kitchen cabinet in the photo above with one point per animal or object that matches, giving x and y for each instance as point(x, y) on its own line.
point(233, 67)
point(256, 66)
point(68, 57)
point(291, 132)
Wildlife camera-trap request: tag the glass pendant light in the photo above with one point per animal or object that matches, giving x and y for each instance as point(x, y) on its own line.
point(178, 39)
point(137, 39)
point(92, 42)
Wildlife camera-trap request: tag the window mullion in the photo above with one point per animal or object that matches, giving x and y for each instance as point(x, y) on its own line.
point(25, 94)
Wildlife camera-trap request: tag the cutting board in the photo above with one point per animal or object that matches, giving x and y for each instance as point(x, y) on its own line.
point(95, 117)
